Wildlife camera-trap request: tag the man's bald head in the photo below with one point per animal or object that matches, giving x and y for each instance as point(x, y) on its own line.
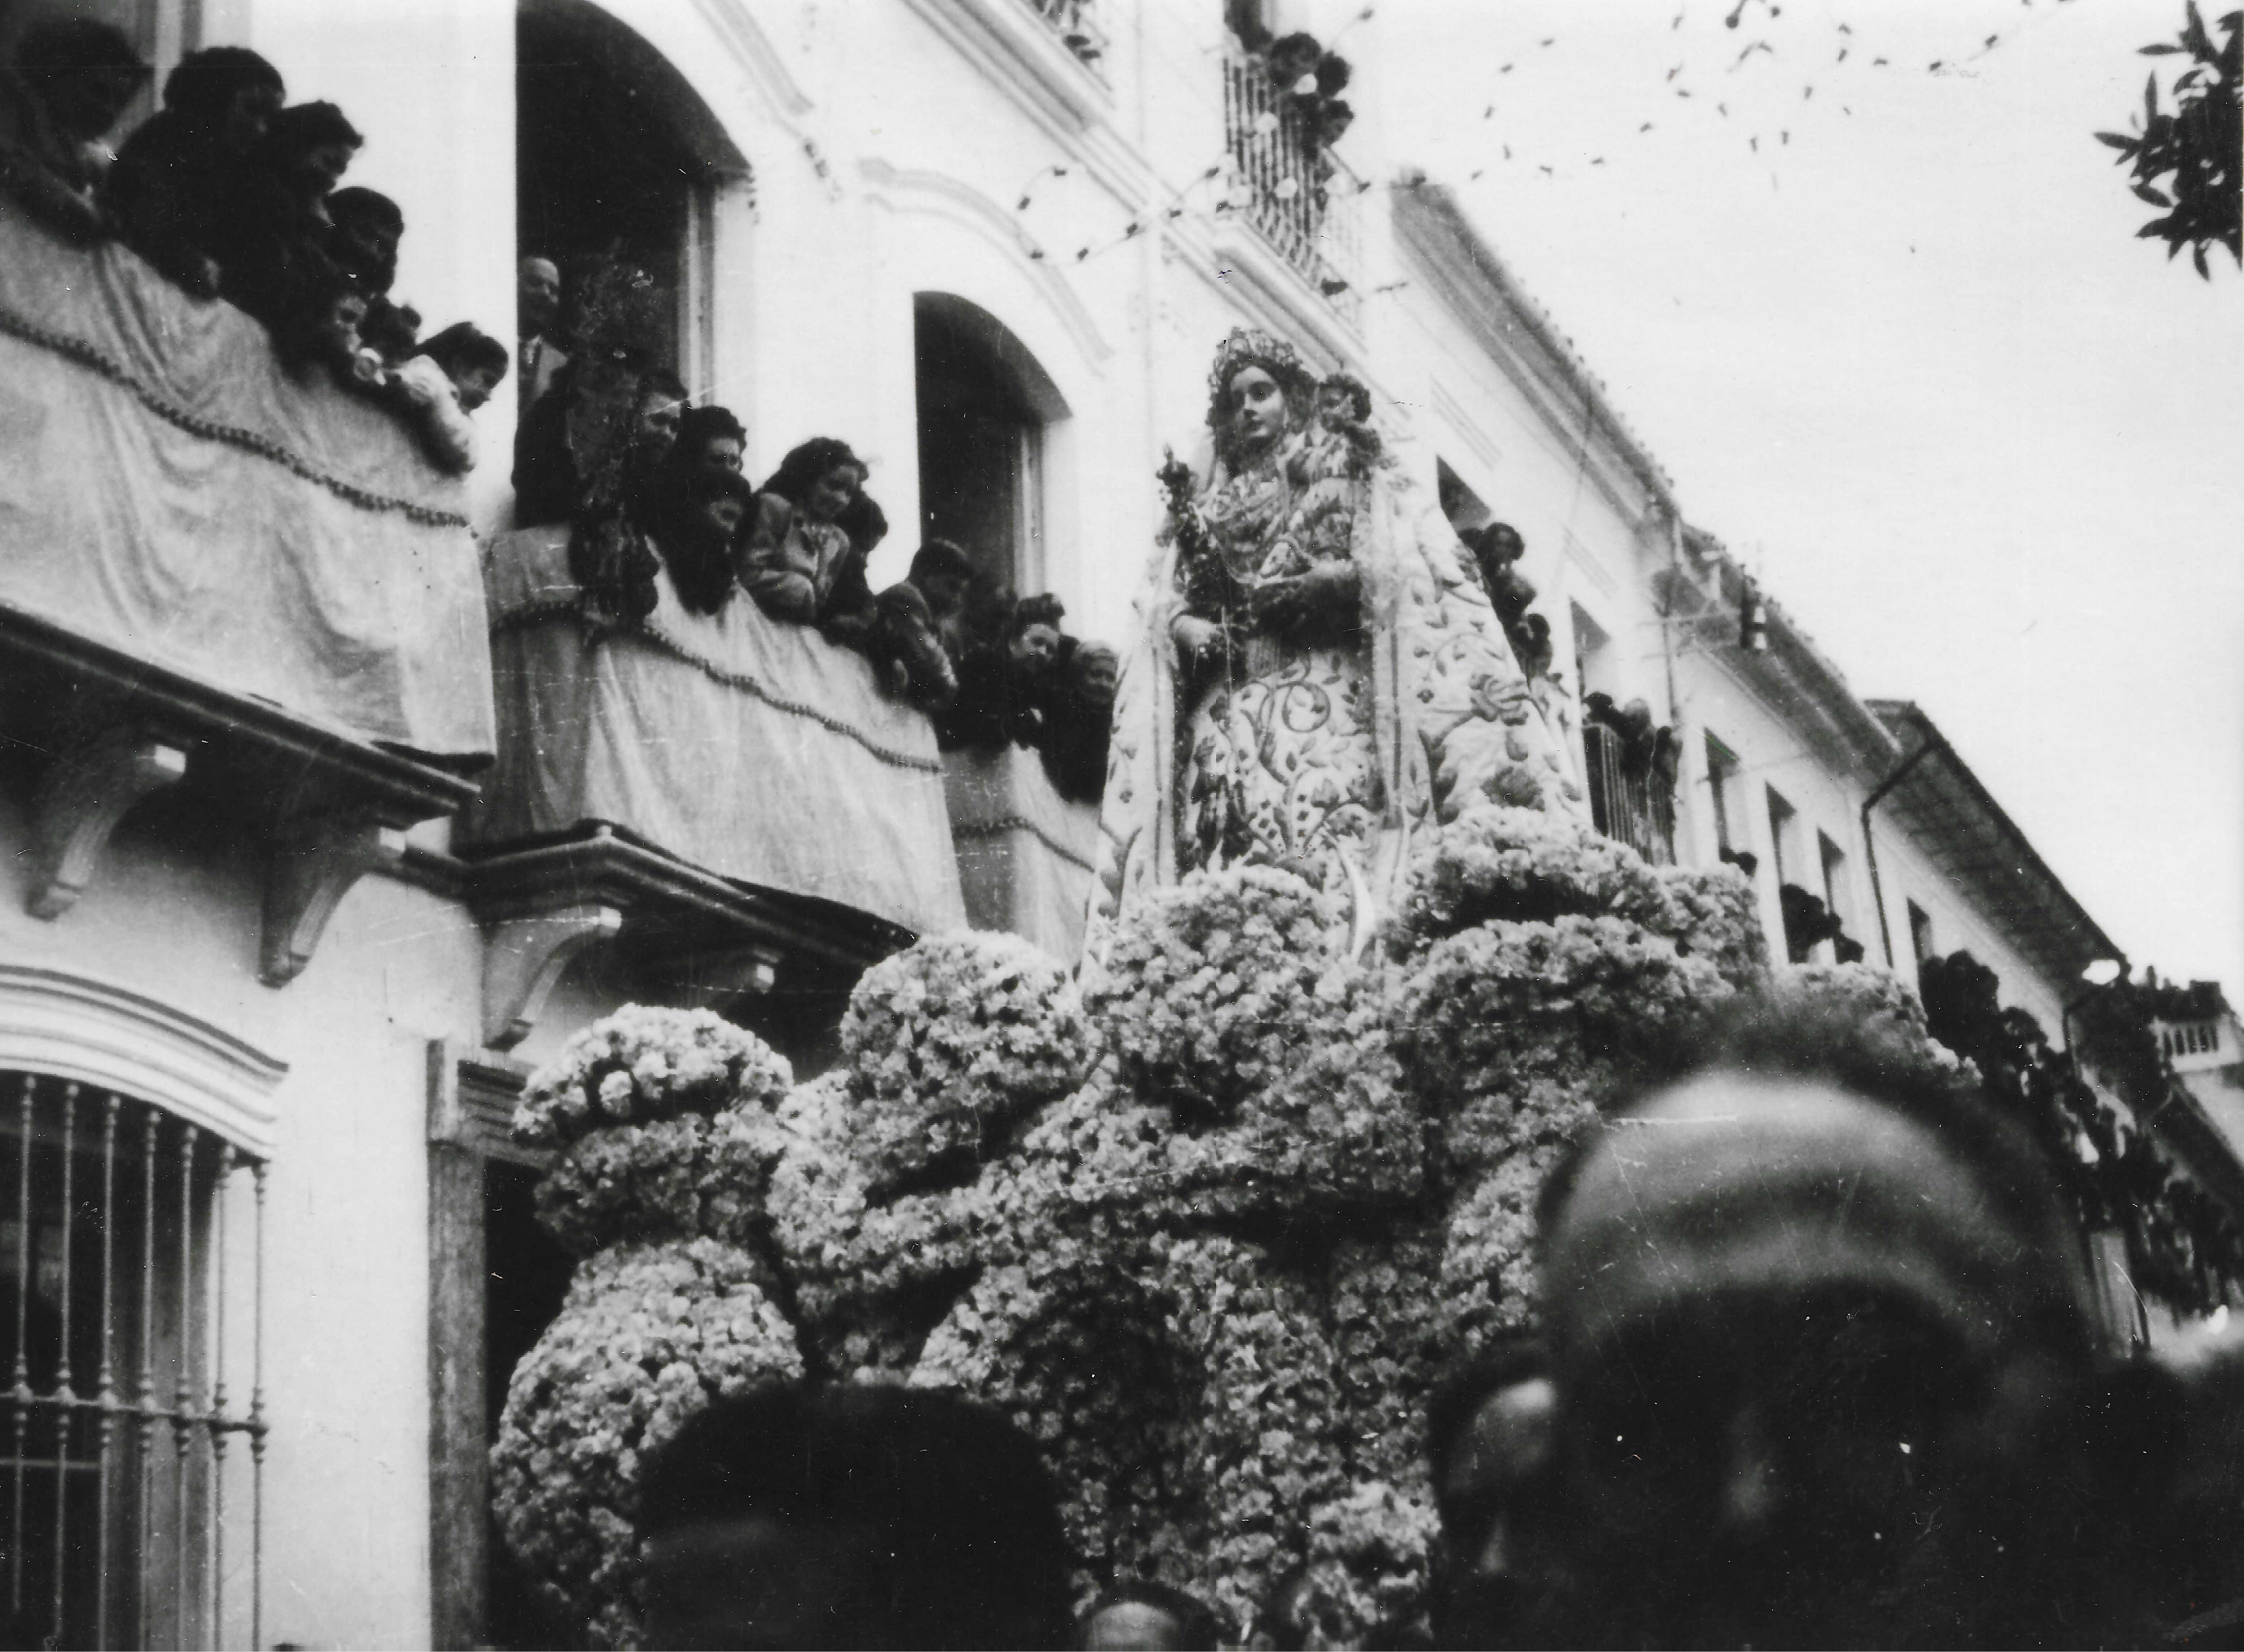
point(1821, 1333)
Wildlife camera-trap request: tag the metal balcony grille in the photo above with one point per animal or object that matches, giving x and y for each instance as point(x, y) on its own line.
point(121, 1295)
point(1076, 23)
point(1291, 188)
point(1623, 801)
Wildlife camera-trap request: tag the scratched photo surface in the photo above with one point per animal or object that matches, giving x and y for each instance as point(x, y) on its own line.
point(1120, 823)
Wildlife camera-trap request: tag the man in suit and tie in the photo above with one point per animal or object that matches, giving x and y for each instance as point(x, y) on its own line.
point(537, 310)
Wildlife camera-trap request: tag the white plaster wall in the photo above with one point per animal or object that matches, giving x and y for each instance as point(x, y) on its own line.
point(345, 1311)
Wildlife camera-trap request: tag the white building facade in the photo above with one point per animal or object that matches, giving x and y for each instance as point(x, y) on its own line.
point(992, 243)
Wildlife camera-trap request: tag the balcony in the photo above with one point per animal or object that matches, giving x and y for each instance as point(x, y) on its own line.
point(221, 580)
point(1026, 855)
point(1295, 191)
point(731, 774)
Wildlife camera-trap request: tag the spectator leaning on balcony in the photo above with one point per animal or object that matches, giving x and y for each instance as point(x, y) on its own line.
point(619, 447)
point(1003, 682)
point(691, 490)
point(709, 440)
point(922, 626)
point(170, 189)
point(796, 554)
point(1078, 718)
point(363, 244)
point(68, 85)
point(273, 256)
point(452, 376)
point(698, 527)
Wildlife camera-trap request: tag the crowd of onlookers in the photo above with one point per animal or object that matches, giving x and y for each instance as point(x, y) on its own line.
point(232, 192)
point(663, 492)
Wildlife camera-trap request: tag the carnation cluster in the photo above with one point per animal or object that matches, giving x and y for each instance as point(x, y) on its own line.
point(1208, 1232)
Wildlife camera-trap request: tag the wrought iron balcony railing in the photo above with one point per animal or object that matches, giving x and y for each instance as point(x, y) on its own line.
point(1289, 186)
point(1625, 803)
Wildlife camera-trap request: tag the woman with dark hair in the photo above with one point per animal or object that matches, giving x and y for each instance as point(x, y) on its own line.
point(363, 242)
point(277, 226)
point(169, 189)
point(797, 548)
point(709, 440)
point(69, 83)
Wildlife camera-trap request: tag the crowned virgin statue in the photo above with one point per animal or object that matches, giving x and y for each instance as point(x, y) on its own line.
point(1317, 675)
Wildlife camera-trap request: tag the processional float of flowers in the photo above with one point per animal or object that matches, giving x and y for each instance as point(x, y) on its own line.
point(1208, 1231)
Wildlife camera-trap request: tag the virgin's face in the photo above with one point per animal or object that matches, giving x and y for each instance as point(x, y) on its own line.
point(1258, 406)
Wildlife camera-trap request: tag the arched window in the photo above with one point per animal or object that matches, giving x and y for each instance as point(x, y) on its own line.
point(616, 158)
point(984, 405)
point(132, 1434)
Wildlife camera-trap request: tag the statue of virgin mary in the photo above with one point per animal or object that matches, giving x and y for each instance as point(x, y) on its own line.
point(1316, 677)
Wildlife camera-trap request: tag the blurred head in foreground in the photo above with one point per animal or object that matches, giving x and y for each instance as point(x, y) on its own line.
point(1825, 1360)
point(1148, 1615)
point(1492, 1444)
point(851, 1516)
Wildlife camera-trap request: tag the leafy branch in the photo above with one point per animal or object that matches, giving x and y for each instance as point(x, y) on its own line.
point(2195, 146)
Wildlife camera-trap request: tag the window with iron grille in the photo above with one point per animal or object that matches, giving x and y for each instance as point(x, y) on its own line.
point(131, 1432)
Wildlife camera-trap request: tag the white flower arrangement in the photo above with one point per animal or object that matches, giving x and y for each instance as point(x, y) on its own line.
point(648, 1333)
point(1212, 985)
point(951, 1042)
point(1369, 1567)
point(641, 1065)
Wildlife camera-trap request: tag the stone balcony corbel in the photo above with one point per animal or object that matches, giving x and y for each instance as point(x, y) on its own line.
point(86, 790)
point(315, 860)
point(705, 942)
point(326, 805)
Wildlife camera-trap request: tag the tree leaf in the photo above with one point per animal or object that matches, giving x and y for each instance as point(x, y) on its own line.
point(2144, 191)
point(2161, 50)
point(2197, 255)
point(2125, 145)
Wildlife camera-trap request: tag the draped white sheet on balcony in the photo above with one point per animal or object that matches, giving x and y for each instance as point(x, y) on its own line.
point(750, 747)
point(1026, 855)
point(168, 488)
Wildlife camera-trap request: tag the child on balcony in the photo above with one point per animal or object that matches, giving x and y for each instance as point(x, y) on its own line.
point(796, 552)
point(454, 374)
point(170, 188)
point(69, 83)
